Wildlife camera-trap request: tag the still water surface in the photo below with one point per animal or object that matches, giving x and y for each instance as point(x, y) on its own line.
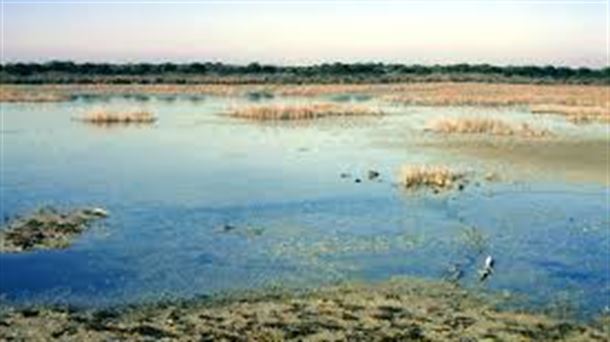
point(202, 203)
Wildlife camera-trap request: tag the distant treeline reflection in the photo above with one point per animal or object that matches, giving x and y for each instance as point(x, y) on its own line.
point(192, 73)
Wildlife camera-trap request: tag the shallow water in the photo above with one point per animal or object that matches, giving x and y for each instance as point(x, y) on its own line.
point(172, 188)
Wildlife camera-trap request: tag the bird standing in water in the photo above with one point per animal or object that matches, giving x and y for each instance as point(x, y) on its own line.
point(488, 268)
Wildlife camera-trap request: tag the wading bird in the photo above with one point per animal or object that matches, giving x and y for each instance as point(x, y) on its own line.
point(488, 268)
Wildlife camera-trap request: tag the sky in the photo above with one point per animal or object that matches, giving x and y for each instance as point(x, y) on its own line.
point(572, 33)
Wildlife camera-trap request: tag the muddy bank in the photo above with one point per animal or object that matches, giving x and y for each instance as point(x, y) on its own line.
point(401, 309)
point(46, 228)
point(573, 160)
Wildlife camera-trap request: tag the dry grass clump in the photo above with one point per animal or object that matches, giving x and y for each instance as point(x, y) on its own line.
point(109, 117)
point(300, 112)
point(476, 125)
point(576, 114)
point(438, 178)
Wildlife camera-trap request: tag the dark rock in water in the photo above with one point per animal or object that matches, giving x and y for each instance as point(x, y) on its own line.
point(357, 180)
point(245, 231)
point(228, 227)
point(47, 228)
point(461, 187)
point(372, 174)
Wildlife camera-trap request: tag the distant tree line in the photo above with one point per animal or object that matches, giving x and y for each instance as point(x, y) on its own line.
point(71, 72)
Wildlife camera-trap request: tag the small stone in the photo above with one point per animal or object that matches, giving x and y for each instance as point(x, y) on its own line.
point(372, 174)
point(228, 227)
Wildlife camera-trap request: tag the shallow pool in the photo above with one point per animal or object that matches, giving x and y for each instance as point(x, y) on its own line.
point(202, 203)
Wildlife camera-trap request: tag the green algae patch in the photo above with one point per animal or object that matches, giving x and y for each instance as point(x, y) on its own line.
point(47, 228)
point(400, 309)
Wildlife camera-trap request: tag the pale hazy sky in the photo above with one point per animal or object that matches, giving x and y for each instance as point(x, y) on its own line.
point(302, 32)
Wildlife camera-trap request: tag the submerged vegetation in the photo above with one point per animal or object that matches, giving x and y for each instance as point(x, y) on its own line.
point(147, 73)
point(437, 178)
point(46, 228)
point(479, 125)
point(301, 111)
point(109, 117)
point(397, 310)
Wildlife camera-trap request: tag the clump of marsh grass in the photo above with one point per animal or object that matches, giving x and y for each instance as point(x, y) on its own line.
point(478, 125)
point(300, 111)
point(109, 117)
point(577, 113)
point(437, 178)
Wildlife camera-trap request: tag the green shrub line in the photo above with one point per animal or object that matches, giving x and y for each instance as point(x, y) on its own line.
point(62, 72)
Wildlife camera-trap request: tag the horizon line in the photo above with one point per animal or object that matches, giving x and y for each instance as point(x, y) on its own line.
point(302, 65)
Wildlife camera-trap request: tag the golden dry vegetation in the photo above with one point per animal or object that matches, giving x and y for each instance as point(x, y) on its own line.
point(23, 95)
point(479, 125)
point(592, 101)
point(300, 111)
point(576, 114)
point(110, 117)
point(438, 178)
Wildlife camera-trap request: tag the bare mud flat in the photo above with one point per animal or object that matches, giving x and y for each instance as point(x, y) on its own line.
point(396, 310)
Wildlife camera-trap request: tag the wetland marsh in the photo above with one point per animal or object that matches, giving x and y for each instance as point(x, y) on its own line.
point(205, 203)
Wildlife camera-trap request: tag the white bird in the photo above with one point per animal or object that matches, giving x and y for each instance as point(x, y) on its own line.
point(488, 268)
point(489, 262)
